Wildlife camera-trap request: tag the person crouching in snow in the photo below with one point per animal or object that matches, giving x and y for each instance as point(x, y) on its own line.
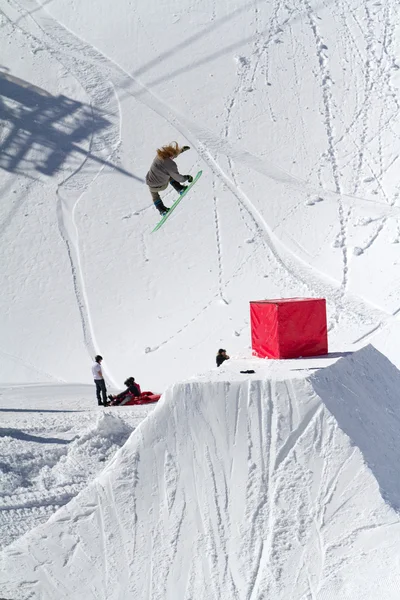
point(132, 390)
point(221, 357)
point(163, 171)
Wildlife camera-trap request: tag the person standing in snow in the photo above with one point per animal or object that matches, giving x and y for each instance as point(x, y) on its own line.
point(101, 390)
point(221, 357)
point(163, 171)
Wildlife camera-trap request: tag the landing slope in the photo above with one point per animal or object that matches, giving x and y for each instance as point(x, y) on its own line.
point(237, 488)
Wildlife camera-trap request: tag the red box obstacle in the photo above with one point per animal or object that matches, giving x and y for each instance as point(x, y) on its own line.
point(289, 328)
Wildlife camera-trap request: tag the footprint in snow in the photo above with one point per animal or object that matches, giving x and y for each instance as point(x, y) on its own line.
point(135, 214)
point(363, 221)
point(313, 201)
point(242, 60)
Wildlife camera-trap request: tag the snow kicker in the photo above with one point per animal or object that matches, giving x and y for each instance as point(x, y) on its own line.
point(237, 488)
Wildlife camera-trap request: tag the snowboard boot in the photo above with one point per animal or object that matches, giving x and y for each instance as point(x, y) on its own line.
point(177, 186)
point(163, 210)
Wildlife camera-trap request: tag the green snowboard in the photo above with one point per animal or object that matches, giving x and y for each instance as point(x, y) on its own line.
point(175, 204)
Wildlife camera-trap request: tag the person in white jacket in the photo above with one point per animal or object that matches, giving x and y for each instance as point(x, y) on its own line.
point(101, 390)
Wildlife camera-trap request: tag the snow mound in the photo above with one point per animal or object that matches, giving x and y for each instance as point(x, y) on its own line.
point(97, 444)
point(268, 487)
point(35, 481)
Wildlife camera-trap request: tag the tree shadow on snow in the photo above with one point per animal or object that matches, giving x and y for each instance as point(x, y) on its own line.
point(362, 392)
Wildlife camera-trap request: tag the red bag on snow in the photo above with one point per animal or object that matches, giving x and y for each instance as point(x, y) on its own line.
point(144, 398)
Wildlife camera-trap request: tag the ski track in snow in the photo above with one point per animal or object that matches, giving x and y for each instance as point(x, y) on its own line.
point(326, 82)
point(219, 246)
point(377, 77)
point(372, 86)
point(71, 189)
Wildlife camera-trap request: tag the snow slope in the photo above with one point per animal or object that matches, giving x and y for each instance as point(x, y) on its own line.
point(291, 111)
point(283, 484)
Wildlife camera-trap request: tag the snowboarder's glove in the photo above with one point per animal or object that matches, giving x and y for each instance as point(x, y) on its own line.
point(189, 178)
point(185, 148)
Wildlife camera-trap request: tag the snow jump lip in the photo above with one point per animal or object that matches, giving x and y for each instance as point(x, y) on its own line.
point(241, 465)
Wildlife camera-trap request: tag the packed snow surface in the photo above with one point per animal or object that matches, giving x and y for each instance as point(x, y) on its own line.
point(281, 484)
point(238, 487)
point(53, 440)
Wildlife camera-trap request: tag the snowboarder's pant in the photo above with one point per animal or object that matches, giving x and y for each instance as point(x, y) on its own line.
point(101, 391)
point(158, 203)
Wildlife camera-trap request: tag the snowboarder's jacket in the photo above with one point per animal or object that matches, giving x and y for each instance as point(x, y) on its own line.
point(161, 171)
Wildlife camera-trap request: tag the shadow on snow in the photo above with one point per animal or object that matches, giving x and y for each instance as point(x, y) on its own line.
point(362, 392)
point(41, 131)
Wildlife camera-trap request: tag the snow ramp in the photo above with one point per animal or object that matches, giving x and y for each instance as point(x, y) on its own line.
point(281, 485)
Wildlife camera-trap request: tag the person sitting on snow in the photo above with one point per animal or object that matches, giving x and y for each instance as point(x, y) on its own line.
point(163, 171)
point(221, 357)
point(132, 390)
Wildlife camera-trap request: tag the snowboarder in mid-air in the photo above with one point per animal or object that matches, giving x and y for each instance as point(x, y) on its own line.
point(163, 171)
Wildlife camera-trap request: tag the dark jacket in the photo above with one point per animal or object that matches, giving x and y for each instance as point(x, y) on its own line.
point(220, 359)
point(132, 389)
